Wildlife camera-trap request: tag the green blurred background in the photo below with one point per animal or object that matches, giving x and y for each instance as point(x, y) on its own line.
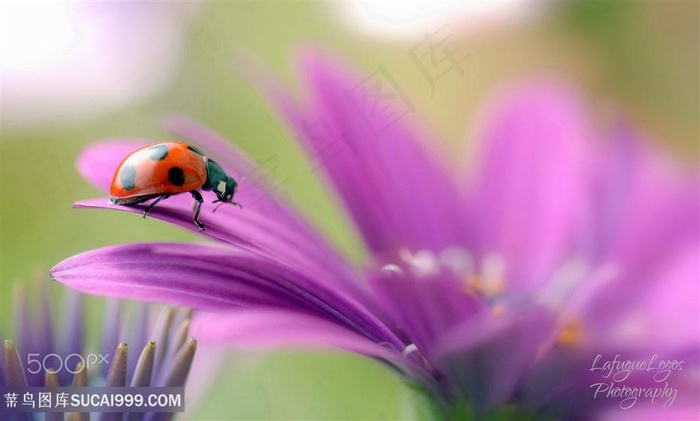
point(640, 57)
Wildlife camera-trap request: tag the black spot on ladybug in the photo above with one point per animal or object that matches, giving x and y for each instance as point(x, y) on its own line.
point(127, 176)
point(176, 176)
point(158, 152)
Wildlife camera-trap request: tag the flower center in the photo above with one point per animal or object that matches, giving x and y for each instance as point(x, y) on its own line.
point(571, 334)
point(484, 277)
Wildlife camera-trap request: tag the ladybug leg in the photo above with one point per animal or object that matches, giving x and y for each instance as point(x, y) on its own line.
point(152, 205)
point(198, 206)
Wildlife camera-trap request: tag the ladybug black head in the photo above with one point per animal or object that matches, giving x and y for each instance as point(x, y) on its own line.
point(226, 189)
point(220, 183)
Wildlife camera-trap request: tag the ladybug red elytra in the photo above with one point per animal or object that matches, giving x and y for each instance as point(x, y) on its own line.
point(161, 170)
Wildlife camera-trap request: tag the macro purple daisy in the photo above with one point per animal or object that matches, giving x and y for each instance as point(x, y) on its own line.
point(494, 287)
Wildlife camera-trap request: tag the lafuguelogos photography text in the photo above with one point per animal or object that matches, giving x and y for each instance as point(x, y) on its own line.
point(631, 380)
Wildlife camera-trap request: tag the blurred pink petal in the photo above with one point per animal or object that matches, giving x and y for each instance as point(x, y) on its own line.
point(530, 184)
point(274, 327)
point(364, 150)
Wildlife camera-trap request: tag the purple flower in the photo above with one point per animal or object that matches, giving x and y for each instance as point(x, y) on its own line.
point(494, 290)
point(50, 354)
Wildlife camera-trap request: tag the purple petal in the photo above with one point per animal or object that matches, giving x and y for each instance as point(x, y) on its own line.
point(398, 193)
point(644, 205)
point(424, 308)
point(530, 185)
point(253, 232)
point(653, 412)
point(258, 327)
point(208, 277)
point(561, 382)
point(266, 328)
point(664, 296)
point(72, 330)
point(486, 356)
point(181, 274)
point(110, 329)
point(137, 334)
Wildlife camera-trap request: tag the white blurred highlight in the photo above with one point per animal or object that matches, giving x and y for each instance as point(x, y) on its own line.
point(23, 46)
point(71, 60)
point(413, 18)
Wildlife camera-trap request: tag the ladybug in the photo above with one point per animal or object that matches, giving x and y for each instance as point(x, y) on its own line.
point(162, 170)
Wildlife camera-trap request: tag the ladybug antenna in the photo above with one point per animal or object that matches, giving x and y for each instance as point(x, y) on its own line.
point(217, 207)
point(221, 202)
